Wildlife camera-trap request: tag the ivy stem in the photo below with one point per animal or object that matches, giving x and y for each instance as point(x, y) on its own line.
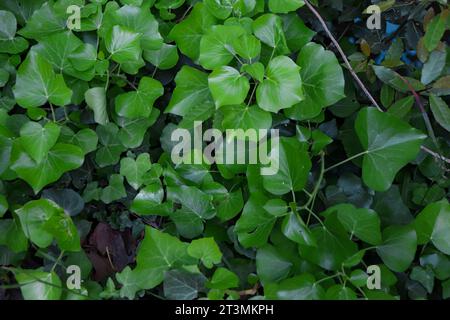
point(252, 94)
point(107, 80)
point(327, 278)
point(154, 72)
point(57, 261)
point(347, 160)
point(53, 111)
point(319, 181)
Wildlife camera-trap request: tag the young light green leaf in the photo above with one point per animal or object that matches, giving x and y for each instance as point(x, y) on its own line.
point(228, 86)
point(207, 250)
point(323, 81)
point(282, 87)
point(134, 170)
point(38, 285)
point(223, 279)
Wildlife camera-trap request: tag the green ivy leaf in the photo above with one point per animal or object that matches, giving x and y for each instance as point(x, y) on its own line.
point(216, 46)
point(269, 29)
point(362, 223)
point(42, 220)
point(111, 149)
point(134, 170)
point(223, 279)
point(36, 83)
point(123, 44)
point(188, 33)
point(115, 190)
point(246, 117)
point(398, 248)
point(182, 285)
point(271, 264)
point(158, 253)
point(221, 9)
point(295, 229)
point(164, 58)
point(37, 140)
point(390, 144)
point(207, 250)
point(323, 81)
point(38, 285)
point(282, 86)
point(8, 25)
point(294, 166)
point(59, 159)
point(43, 22)
point(228, 86)
point(139, 103)
point(141, 21)
point(96, 100)
point(255, 223)
point(193, 200)
point(12, 235)
point(247, 46)
point(191, 94)
point(58, 49)
point(431, 225)
point(285, 6)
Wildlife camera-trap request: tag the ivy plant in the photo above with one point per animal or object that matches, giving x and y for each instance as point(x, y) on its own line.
point(89, 104)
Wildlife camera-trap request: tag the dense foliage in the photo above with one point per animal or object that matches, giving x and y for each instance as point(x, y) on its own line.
point(86, 177)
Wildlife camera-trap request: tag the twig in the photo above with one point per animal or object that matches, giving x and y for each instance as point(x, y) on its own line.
point(344, 57)
point(250, 292)
point(435, 154)
point(360, 83)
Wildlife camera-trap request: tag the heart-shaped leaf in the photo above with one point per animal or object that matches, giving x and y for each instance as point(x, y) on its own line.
point(293, 165)
point(398, 248)
point(36, 83)
point(140, 102)
point(58, 160)
point(323, 81)
point(282, 86)
point(390, 144)
point(37, 140)
point(134, 170)
point(228, 86)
